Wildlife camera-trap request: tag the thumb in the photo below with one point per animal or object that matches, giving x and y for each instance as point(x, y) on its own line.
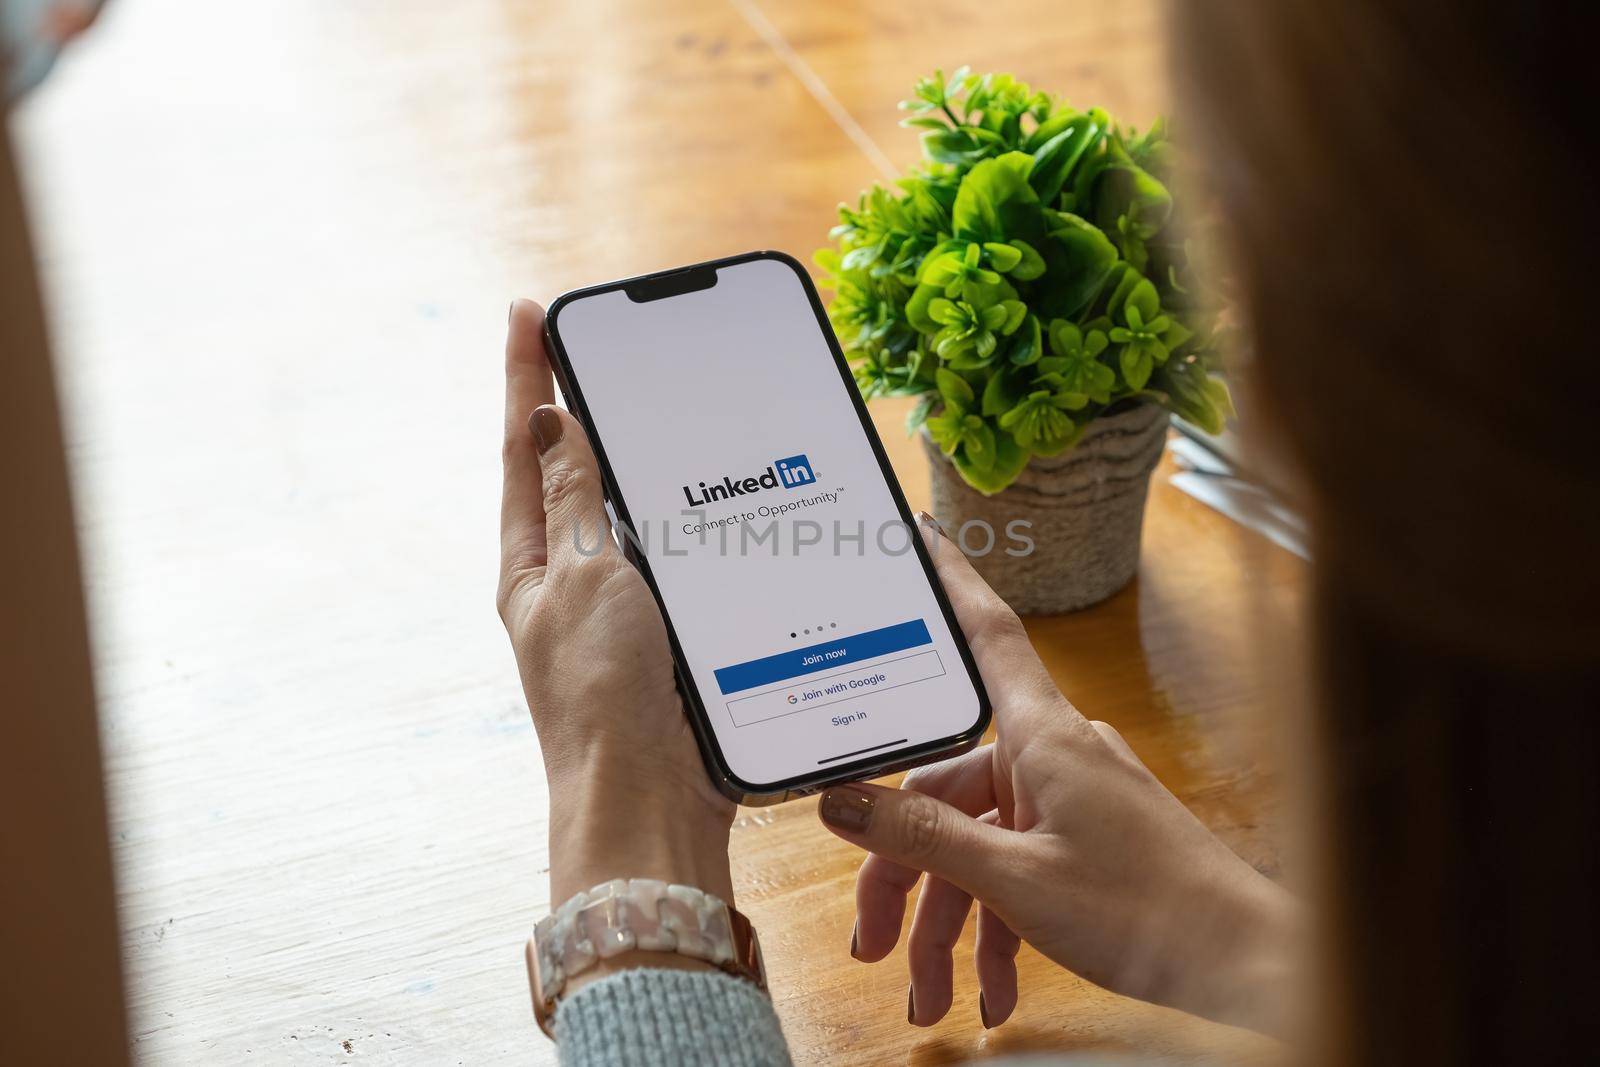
point(918, 831)
point(576, 525)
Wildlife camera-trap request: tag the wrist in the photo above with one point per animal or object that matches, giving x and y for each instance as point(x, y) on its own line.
point(615, 819)
point(592, 845)
point(1253, 977)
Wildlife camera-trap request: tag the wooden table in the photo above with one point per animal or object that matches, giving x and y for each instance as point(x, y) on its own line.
point(278, 240)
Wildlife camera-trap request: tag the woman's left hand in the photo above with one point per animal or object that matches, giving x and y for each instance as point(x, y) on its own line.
point(629, 794)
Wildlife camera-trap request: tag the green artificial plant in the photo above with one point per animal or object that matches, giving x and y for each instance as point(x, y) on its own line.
point(1025, 279)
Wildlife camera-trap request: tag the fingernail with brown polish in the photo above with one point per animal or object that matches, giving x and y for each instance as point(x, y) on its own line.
point(854, 933)
point(545, 423)
point(930, 522)
point(911, 1005)
point(510, 311)
point(983, 1011)
point(848, 808)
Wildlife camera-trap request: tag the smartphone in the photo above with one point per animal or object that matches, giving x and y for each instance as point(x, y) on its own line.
point(812, 639)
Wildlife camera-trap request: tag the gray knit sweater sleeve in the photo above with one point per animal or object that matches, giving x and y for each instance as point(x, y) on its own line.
point(655, 1016)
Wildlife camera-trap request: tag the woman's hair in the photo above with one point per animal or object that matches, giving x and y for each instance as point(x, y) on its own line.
point(1408, 200)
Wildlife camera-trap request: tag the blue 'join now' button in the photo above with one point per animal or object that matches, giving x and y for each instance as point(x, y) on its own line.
point(835, 653)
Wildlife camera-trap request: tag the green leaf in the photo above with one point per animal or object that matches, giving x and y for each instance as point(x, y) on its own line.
point(1080, 258)
point(1000, 393)
point(1059, 446)
point(1136, 366)
point(1175, 335)
point(1130, 190)
point(1054, 160)
point(1004, 257)
point(1098, 381)
point(994, 200)
point(920, 412)
point(1015, 311)
point(858, 258)
point(978, 446)
point(1143, 299)
point(1030, 264)
point(1049, 128)
point(1065, 338)
point(1037, 421)
point(938, 270)
point(954, 389)
point(952, 146)
point(1067, 400)
point(1080, 373)
point(1027, 348)
point(1194, 394)
point(945, 430)
point(1017, 416)
point(1007, 462)
point(1126, 278)
point(917, 309)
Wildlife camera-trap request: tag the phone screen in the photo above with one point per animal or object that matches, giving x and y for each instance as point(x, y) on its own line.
point(802, 612)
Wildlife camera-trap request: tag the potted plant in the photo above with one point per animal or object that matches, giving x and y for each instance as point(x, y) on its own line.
point(1028, 283)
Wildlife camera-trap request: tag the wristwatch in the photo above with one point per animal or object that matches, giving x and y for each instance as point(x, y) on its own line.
point(624, 915)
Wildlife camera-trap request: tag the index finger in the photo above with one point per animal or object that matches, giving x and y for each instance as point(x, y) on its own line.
point(1016, 678)
point(882, 884)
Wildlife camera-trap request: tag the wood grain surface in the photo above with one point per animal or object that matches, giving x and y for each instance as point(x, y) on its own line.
point(278, 240)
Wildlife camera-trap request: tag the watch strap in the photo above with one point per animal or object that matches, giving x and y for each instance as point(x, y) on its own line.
point(624, 915)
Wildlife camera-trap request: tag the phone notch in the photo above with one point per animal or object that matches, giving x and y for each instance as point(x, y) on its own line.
point(678, 282)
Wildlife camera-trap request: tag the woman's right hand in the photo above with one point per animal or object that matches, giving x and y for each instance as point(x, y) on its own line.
point(1068, 842)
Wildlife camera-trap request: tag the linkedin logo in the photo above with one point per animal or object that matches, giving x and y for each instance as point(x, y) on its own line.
point(791, 473)
point(795, 471)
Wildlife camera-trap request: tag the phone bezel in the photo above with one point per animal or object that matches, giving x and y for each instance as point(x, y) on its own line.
point(729, 783)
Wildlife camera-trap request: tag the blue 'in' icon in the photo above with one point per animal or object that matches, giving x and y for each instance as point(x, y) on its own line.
point(795, 471)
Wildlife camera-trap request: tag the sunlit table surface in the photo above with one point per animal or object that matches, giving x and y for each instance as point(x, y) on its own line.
point(278, 241)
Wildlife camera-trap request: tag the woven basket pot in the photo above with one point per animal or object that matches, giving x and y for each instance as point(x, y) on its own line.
point(1085, 510)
